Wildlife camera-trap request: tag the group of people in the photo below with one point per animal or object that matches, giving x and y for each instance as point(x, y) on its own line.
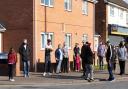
point(61, 56)
point(112, 54)
point(24, 51)
point(85, 54)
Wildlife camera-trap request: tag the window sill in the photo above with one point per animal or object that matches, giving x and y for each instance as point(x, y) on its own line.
point(47, 5)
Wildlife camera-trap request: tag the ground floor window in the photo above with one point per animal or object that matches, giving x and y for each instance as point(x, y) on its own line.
point(45, 37)
point(68, 40)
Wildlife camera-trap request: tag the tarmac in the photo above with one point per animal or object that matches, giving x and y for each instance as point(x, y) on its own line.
point(62, 78)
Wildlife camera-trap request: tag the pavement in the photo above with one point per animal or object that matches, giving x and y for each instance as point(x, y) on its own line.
point(61, 79)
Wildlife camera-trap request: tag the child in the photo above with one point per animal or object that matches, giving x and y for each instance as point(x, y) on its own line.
point(77, 62)
point(11, 63)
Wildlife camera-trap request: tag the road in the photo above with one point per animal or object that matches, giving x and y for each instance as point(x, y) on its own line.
point(93, 85)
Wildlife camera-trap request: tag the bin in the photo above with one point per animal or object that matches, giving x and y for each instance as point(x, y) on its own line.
point(3, 64)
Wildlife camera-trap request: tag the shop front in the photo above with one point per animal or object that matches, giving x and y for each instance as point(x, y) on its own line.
point(117, 33)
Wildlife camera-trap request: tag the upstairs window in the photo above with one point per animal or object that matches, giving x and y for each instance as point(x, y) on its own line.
point(68, 5)
point(121, 14)
point(47, 3)
point(127, 18)
point(112, 11)
point(85, 7)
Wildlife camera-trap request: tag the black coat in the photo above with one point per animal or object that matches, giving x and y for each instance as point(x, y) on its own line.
point(25, 53)
point(87, 54)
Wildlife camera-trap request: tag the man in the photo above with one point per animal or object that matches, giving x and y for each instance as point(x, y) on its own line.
point(101, 54)
point(48, 50)
point(24, 51)
point(83, 49)
point(109, 61)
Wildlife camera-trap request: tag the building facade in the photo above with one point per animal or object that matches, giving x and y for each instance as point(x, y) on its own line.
point(70, 21)
point(113, 20)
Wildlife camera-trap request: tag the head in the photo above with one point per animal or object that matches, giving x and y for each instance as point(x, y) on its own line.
point(108, 43)
point(76, 44)
point(121, 44)
point(49, 42)
point(25, 41)
point(59, 45)
point(101, 43)
point(11, 50)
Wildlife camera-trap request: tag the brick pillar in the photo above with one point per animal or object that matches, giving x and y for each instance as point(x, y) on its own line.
point(18, 65)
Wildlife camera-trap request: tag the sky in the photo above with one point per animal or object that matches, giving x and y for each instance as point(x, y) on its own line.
point(126, 1)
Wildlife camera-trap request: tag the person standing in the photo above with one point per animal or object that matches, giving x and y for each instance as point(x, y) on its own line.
point(65, 63)
point(101, 54)
point(109, 61)
point(76, 57)
point(88, 59)
point(82, 55)
point(59, 58)
point(122, 56)
point(12, 58)
point(24, 51)
point(48, 50)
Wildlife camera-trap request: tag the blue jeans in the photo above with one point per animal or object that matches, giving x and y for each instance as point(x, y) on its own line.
point(110, 67)
point(58, 66)
point(89, 71)
point(26, 65)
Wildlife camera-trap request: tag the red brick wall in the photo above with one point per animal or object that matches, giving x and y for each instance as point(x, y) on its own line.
point(101, 20)
point(17, 16)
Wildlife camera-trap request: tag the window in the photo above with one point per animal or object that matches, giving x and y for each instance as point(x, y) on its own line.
point(111, 11)
point(85, 7)
point(68, 40)
point(47, 3)
point(85, 38)
point(68, 5)
point(121, 14)
point(45, 37)
point(127, 18)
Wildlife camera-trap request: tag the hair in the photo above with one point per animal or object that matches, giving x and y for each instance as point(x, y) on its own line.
point(11, 50)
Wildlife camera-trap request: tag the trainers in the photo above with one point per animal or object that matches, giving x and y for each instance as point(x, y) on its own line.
point(44, 73)
point(49, 73)
point(12, 80)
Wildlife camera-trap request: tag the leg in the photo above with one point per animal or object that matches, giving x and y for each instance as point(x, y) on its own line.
point(24, 68)
point(59, 66)
point(9, 71)
point(102, 63)
point(49, 66)
point(111, 76)
point(123, 67)
point(87, 71)
point(91, 72)
point(27, 67)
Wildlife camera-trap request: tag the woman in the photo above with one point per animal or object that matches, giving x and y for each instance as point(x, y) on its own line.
point(122, 56)
point(11, 63)
point(59, 58)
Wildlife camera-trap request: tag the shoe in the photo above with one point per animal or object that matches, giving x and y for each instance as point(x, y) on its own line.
point(44, 74)
point(49, 73)
point(25, 75)
point(12, 80)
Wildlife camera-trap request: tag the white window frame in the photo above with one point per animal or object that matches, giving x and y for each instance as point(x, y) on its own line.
point(69, 45)
point(112, 11)
point(68, 5)
point(121, 14)
point(127, 18)
point(85, 38)
point(46, 37)
point(50, 3)
point(85, 7)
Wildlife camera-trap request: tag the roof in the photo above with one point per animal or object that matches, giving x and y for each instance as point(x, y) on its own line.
point(123, 3)
point(2, 28)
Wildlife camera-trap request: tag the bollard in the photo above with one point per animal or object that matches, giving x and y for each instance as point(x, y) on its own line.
point(17, 73)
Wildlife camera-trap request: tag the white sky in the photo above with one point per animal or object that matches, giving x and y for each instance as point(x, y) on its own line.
point(126, 1)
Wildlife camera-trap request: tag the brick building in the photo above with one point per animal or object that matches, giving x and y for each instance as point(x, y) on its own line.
point(61, 21)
